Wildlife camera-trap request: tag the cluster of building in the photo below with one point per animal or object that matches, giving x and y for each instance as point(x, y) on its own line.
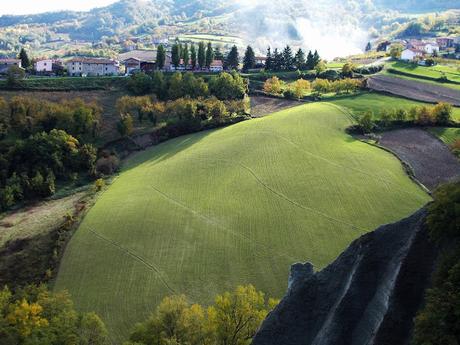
point(127, 63)
point(416, 50)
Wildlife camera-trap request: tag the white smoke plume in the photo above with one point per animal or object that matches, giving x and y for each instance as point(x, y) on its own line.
point(333, 27)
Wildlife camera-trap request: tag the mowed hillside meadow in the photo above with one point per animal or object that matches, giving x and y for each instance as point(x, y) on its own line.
point(206, 212)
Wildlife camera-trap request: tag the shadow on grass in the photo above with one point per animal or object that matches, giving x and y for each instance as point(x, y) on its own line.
point(166, 150)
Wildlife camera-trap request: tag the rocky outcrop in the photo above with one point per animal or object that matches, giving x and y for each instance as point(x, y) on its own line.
point(368, 295)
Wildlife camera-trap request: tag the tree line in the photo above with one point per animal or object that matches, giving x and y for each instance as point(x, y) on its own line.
point(183, 101)
point(299, 88)
point(286, 60)
point(225, 86)
point(35, 316)
point(197, 57)
point(438, 115)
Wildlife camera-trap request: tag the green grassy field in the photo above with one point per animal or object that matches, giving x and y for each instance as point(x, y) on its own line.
point(438, 71)
point(375, 102)
point(203, 213)
point(447, 135)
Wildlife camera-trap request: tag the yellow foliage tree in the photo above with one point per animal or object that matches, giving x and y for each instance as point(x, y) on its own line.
point(273, 86)
point(26, 317)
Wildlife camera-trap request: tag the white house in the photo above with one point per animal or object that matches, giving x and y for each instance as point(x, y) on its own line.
point(431, 47)
point(92, 67)
point(216, 66)
point(43, 65)
point(411, 54)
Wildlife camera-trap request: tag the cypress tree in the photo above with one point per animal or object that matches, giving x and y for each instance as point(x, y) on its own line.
point(25, 61)
point(175, 55)
point(185, 55)
point(201, 54)
point(209, 55)
point(193, 55)
point(161, 56)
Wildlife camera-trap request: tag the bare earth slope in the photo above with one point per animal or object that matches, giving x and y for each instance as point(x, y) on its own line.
point(412, 89)
point(430, 159)
point(369, 295)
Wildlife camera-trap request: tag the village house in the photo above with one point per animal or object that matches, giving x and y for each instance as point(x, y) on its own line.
point(445, 42)
point(48, 66)
point(412, 54)
point(92, 67)
point(260, 61)
point(139, 60)
point(5, 64)
point(216, 66)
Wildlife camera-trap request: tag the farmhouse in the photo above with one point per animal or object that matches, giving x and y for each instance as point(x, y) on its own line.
point(260, 61)
point(431, 47)
point(92, 67)
point(216, 66)
point(411, 54)
point(47, 66)
point(5, 64)
point(445, 42)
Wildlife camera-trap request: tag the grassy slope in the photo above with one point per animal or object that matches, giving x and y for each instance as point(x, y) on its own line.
point(448, 85)
point(376, 102)
point(202, 213)
point(437, 71)
point(447, 135)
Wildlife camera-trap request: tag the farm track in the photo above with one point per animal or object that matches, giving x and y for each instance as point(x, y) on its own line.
point(415, 90)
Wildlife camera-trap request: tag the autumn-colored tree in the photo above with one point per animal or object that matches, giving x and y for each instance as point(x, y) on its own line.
point(273, 86)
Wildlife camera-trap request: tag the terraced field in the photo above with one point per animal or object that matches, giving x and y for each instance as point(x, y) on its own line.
point(203, 213)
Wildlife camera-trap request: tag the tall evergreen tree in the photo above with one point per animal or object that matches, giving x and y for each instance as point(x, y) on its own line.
point(249, 60)
point(161, 57)
point(185, 55)
point(209, 55)
point(25, 61)
point(316, 58)
point(175, 55)
point(287, 58)
point(193, 55)
point(277, 60)
point(201, 54)
point(269, 60)
point(232, 61)
point(299, 59)
point(310, 61)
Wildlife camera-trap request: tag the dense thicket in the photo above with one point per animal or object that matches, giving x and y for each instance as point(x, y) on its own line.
point(438, 322)
point(43, 143)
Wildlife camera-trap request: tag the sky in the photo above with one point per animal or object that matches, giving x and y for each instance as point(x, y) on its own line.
point(39, 6)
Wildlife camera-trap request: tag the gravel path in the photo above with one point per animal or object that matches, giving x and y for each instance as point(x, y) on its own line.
point(414, 90)
point(430, 159)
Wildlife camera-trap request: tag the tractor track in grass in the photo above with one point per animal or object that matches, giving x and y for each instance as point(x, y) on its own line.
point(281, 195)
point(311, 154)
point(213, 222)
point(136, 257)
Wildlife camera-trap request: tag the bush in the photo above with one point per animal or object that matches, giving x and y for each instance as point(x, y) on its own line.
point(99, 184)
point(365, 123)
point(273, 86)
point(107, 164)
